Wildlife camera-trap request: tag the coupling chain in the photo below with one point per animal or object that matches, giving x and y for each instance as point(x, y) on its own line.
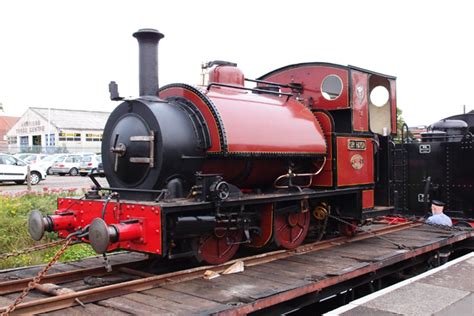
point(37, 279)
point(16, 253)
point(399, 246)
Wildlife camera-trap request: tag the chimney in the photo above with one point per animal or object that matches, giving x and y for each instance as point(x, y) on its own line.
point(148, 63)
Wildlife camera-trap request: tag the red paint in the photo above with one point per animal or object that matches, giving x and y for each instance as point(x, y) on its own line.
point(360, 107)
point(367, 199)
point(144, 236)
point(227, 75)
point(256, 123)
point(392, 220)
point(290, 229)
point(219, 247)
point(311, 77)
point(62, 222)
point(130, 231)
point(393, 95)
point(325, 178)
point(347, 174)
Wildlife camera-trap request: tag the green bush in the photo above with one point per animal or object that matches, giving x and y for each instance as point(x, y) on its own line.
point(14, 209)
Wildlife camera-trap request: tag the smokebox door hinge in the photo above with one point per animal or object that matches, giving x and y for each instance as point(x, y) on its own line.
point(151, 159)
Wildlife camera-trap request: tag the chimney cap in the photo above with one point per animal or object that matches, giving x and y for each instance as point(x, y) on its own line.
point(148, 32)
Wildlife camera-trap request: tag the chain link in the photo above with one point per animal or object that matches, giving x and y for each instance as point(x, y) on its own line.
point(7, 255)
point(37, 279)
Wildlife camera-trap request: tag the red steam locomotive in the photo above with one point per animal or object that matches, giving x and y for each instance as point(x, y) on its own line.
point(198, 171)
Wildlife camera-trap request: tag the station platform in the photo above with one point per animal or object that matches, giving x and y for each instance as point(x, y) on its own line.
point(445, 290)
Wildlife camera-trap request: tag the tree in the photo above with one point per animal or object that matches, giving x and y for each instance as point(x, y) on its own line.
point(400, 123)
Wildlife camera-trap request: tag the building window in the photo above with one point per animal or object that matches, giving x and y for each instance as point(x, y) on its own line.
point(12, 140)
point(93, 137)
point(69, 137)
point(50, 139)
point(24, 141)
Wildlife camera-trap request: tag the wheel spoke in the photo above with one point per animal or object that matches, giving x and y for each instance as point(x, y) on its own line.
point(215, 250)
point(291, 229)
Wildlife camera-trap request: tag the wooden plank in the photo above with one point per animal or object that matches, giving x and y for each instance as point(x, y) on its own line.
point(348, 269)
point(191, 302)
point(330, 265)
point(410, 242)
point(88, 309)
point(432, 229)
point(304, 270)
point(230, 289)
point(295, 270)
point(242, 284)
point(13, 273)
point(101, 281)
point(331, 260)
point(129, 306)
point(360, 252)
point(158, 302)
point(387, 242)
point(98, 261)
point(300, 267)
point(5, 301)
point(418, 234)
point(207, 291)
point(280, 275)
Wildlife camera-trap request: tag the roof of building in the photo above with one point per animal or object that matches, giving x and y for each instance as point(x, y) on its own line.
point(73, 119)
point(6, 122)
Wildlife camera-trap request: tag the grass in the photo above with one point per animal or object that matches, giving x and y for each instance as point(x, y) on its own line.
point(14, 209)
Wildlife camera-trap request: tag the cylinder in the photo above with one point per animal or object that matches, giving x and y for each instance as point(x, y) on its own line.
point(148, 60)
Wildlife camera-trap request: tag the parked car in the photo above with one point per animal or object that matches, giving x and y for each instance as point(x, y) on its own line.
point(89, 164)
point(34, 158)
point(48, 161)
point(22, 156)
point(100, 169)
point(14, 169)
point(68, 164)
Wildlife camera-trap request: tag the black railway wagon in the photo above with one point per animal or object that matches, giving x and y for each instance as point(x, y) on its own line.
point(440, 166)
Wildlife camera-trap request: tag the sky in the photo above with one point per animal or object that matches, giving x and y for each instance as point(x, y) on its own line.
point(63, 54)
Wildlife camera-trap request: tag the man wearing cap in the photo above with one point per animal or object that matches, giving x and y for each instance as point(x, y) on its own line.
point(438, 217)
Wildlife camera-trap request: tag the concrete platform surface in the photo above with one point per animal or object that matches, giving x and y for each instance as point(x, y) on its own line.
point(446, 290)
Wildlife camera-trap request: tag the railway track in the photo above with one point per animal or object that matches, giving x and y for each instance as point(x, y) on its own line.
point(142, 281)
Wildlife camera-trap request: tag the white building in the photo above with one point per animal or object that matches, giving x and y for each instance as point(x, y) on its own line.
point(57, 130)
